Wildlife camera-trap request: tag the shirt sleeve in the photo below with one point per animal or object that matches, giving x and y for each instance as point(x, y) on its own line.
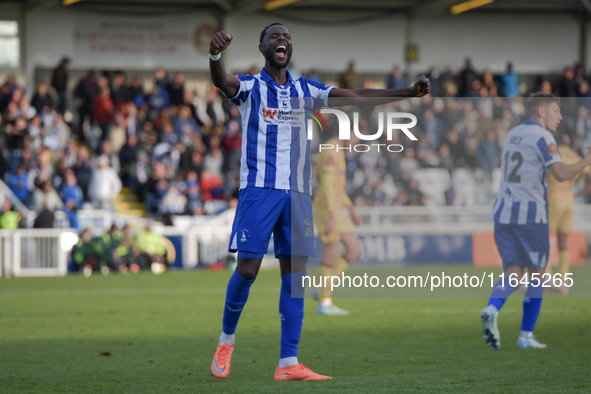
point(246, 85)
point(319, 92)
point(549, 150)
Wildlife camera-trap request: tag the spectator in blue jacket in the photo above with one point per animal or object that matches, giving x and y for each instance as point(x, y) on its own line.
point(396, 80)
point(509, 82)
point(159, 99)
point(18, 182)
point(72, 198)
point(185, 126)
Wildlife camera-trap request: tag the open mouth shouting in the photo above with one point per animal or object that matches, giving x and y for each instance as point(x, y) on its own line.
point(281, 52)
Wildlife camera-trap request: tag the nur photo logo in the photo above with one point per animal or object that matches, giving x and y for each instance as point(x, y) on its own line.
point(387, 121)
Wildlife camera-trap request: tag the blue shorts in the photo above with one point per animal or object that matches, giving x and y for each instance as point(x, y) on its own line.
point(523, 244)
point(284, 213)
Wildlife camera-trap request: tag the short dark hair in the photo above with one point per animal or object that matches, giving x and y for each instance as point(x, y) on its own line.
point(537, 100)
point(266, 28)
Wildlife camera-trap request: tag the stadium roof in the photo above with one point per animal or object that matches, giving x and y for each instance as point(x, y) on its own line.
point(420, 8)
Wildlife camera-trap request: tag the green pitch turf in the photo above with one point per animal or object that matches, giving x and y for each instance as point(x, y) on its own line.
point(157, 334)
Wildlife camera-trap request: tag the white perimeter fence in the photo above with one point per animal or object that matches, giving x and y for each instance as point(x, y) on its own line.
point(35, 252)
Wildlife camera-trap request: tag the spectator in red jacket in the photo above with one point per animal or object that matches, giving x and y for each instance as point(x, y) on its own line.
point(232, 141)
point(212, 186)
point(231, 144)
point(213, 193)
point(102, 111)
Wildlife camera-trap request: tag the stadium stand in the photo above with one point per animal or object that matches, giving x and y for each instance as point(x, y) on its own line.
point(175, 142)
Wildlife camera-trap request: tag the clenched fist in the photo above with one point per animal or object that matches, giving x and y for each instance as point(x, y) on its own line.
point(421, 87)
point(219, 42)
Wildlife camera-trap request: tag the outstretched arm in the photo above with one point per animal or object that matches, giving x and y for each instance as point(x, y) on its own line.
point(227, 83)
point(380, 96)
point(563, 172)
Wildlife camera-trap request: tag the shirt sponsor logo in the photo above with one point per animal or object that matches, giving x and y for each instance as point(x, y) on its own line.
point(268, 112)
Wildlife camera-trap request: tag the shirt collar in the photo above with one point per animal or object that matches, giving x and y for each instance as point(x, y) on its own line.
point(530, 122)
point(268, 80)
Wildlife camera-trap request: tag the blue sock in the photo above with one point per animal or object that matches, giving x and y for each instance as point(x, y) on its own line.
point(500, 293)
point(236, 297)
point(532, 303)
point(291, 312)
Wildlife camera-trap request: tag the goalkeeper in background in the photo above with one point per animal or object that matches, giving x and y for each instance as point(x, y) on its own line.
point(561, 201)
point(334, 225)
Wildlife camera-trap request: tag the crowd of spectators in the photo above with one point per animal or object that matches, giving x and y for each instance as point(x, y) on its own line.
point(180, 153)
point(462, 124)
point(452, 133)
point(469, 82)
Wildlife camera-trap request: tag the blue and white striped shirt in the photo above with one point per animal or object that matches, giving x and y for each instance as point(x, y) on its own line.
point(528, 151)
point(275, 149)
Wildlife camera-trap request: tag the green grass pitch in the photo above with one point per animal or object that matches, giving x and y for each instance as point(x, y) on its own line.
point(161, 332)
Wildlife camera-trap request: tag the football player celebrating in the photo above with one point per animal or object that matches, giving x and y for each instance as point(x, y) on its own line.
point(275, 175)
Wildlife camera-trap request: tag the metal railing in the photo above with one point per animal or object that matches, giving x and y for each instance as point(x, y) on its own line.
point(6, 255)
point(34, 252)
point(443, 219)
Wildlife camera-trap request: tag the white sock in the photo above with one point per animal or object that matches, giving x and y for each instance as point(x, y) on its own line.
point(527, 334)
point(326, 303)
point(226, 339)
point(288, 362)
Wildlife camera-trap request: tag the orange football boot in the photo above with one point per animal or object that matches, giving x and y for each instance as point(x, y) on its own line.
point(220, 366)
point(298, 372)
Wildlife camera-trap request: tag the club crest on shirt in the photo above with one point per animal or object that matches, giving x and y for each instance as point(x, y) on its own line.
point(553, 149)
